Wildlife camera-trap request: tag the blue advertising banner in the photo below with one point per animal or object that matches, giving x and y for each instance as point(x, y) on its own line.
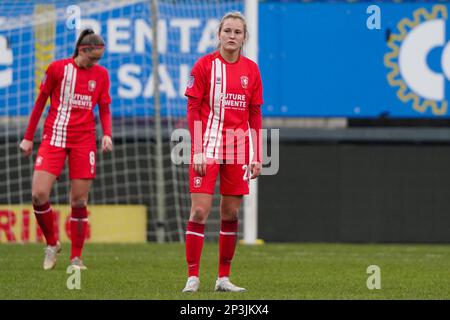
point(355, 60)
point(33, 33)
point(316, 59)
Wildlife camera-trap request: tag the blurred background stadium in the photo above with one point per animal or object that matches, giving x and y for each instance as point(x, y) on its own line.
point(358, 93)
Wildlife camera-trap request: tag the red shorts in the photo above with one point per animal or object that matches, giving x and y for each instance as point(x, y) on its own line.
point(81, 160)
point(234, 179)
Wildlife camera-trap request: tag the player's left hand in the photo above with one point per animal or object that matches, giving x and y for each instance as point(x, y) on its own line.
point(107, 144)
point(255, 169)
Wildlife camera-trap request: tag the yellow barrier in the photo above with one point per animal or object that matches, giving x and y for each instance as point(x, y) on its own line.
point(107, 223)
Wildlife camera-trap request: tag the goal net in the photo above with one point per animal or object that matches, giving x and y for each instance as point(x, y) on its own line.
point(142, 168)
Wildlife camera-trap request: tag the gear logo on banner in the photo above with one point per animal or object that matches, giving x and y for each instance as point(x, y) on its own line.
point(419, 60)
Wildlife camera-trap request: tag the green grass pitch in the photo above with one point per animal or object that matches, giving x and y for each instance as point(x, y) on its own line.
point(270, 271)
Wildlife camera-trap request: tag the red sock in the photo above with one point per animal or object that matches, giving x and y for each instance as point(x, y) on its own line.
point(227, 245)
point(45, 218)
point(78, 225)
point(195, 234)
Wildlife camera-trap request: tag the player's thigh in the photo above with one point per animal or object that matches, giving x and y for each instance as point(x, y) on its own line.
point(42, 186)
point(206, 183)
point(82, 161)
point(50, 159)
point(234, 179)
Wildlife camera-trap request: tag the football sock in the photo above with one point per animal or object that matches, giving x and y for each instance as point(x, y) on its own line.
point(78, 226)
point(227, 245)
point(45, 218)
point(194, 244)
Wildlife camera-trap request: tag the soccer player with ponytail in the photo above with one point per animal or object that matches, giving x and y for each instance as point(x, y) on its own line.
point(75, 86)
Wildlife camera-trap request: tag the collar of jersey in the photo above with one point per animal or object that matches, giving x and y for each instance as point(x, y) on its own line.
point(218, 55)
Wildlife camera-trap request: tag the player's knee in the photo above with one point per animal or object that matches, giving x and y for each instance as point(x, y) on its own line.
point(230, 213)
point(39, 198)
point(78, 203)
point(199, 214)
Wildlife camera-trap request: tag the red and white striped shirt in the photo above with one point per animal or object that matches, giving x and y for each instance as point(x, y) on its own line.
point(74, 92)
point(231, 96)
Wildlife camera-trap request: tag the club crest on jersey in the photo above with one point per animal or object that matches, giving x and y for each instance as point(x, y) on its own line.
point(91, 85)
point(244, 82)
point(197, 182)
point(191, 80)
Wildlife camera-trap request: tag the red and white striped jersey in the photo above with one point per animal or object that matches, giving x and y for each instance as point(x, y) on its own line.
point(74, 92)
point(228, 91)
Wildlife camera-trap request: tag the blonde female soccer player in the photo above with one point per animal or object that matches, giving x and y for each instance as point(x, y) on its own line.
point(224, 100)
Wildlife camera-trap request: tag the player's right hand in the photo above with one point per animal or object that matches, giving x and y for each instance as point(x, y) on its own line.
point(27, 147)
point(199, 163)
